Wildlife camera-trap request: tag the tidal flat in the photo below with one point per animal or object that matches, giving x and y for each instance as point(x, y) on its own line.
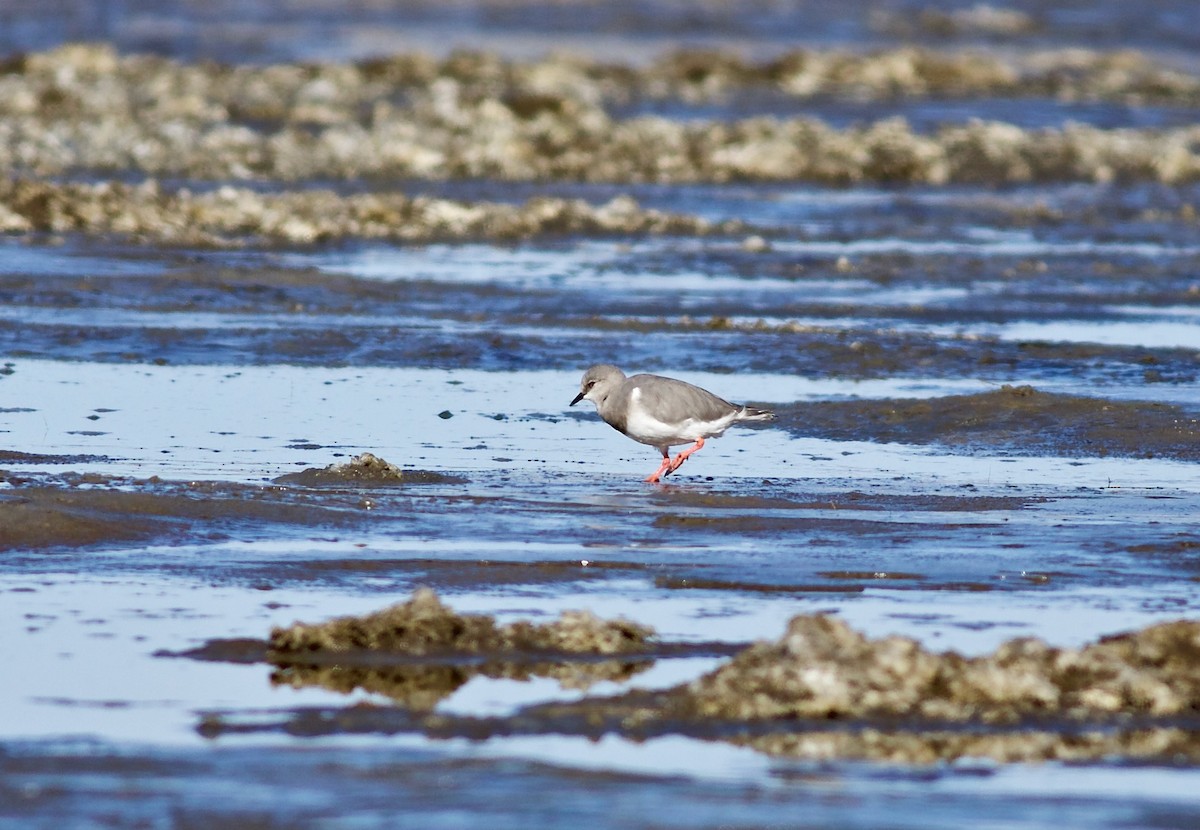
point(298, 529)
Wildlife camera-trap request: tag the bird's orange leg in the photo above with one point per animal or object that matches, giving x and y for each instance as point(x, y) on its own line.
point(683, 456)
point(657, 474)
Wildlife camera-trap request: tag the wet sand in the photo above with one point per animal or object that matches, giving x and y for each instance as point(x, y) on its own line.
point(288, 330)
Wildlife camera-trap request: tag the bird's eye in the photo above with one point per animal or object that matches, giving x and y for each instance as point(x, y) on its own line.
point(590, 384)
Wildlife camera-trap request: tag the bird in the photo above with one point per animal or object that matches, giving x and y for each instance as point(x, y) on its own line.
point(662, 412)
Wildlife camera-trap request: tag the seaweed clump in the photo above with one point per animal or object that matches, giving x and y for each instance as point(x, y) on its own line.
point(419, 652)
point(425, 626)
point(822, 668)
point(365, 470)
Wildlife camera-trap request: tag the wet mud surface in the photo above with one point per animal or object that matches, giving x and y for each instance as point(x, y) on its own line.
point(292, 306)
point(50, 512)
point(1013, 419)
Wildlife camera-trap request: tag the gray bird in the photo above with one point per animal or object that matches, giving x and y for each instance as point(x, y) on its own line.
point(661, 412)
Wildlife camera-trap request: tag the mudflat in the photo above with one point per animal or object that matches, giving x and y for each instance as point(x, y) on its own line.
point(297, 528)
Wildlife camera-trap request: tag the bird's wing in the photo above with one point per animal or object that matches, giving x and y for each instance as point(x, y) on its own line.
point(674, 401)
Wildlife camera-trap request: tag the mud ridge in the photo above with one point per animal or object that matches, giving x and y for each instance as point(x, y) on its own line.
point(909, 743)
point(40, 512)
point(1018, 419)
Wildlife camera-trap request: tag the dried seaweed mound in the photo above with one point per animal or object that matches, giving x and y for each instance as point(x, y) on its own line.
point(87, 109)
point(424, 626)
point(821, 668)
point(232, 216)
point(365, 470)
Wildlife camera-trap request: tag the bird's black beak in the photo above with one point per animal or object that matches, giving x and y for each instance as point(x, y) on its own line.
point(578, 398)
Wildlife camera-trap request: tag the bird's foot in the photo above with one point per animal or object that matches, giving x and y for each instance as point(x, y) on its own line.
point(678, 460)
point(663, 469)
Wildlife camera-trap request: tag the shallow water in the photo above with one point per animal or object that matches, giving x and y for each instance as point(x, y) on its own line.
point(764, 523)
point(150, 396)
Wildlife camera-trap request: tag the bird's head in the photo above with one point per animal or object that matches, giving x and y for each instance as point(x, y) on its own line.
point(598, 383)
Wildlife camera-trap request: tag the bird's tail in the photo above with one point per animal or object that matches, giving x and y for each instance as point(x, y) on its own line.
point(751, 413)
